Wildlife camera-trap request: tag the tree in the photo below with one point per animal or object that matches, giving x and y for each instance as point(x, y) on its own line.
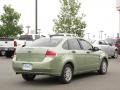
point(68, 20)
point(9, 20)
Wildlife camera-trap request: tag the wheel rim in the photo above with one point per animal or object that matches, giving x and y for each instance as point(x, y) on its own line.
point(104, 67)
point(68, 74)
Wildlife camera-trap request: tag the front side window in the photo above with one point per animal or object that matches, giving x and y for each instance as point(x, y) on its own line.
point(103, 42)
point(73, 44)
point(85, 45)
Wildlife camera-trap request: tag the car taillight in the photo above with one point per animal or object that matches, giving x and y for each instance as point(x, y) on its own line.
point(50, 53)
point(15, 44)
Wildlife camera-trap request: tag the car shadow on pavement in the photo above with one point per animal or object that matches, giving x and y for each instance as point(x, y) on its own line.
point(85, 75)
point(43, 81)
point(49, 80)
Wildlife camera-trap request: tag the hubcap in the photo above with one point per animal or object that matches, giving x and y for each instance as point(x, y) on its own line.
point(104, 67)
point(68, 74)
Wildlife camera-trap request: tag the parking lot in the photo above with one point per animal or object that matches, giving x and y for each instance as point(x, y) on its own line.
point(90, 81)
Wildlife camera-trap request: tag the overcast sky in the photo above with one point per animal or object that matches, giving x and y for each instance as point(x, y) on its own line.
point(100, 14)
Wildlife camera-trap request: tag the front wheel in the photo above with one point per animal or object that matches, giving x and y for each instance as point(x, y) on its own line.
point(103, 67)
point(28, 77)
point(67, 74)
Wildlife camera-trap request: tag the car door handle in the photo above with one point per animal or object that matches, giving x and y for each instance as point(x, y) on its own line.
point(73, 51)
point(5, 41)
point(88, 52)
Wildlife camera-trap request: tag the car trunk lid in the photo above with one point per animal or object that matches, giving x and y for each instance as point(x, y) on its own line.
point(31, 54)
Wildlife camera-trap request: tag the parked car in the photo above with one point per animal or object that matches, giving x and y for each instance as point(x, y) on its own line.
point(26, 39)
point(112, 51)
point(117, 44)
point(62, 57)
point(111, 41)
point(7, 46)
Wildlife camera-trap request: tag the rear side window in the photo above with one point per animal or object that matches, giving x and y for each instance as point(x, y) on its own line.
point(26, 37)
point(73, 44)
point(46, 42)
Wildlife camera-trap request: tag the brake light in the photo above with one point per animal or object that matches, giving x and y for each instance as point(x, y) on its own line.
point(50, 53)
point(15, 44)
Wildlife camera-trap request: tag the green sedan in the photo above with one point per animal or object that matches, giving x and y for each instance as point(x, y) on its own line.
point(59, 56)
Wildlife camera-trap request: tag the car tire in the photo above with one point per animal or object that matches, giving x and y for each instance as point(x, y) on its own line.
point(9, 54)
point(103, 67)
point(28, 77)
point(0, 53)
point(115, 55)
point(67, 74)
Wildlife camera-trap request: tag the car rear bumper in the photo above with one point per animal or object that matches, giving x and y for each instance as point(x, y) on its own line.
point(43, 68)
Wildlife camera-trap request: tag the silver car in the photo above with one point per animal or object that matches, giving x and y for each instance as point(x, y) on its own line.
point(111, 50)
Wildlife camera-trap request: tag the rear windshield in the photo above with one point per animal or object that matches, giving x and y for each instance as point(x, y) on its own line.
point(111, 41)
point(46, 42)
point(26, 37)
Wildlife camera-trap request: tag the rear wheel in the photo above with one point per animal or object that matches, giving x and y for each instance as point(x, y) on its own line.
point(9, 54)
point(28, 77)
point(67, 74)
point(103, 67)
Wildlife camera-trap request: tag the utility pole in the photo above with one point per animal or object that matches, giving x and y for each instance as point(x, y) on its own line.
point(38, 31)
point(118, 9)
point(28, 29)
point(88, 35)
point(101, 32)
point(36, 16)
point(105, 35)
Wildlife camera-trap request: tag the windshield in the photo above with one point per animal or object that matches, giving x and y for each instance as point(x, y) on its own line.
point(46, 42)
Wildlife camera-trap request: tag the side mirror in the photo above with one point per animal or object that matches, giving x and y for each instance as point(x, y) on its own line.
point(96, 49)
point(23, 45)
point(110, 44)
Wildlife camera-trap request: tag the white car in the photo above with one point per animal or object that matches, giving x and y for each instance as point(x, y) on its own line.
point(109, 49)
point(26, 39)
point(7, 46)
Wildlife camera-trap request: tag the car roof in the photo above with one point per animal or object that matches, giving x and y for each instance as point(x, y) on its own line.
point(66, 37)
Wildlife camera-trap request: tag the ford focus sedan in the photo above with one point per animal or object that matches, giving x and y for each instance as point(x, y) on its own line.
point(62, 57)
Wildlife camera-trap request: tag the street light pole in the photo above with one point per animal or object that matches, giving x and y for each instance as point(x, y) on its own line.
point(28, 28)
point(101, 34)
point(105, 35)
point(118, 9)
point(36, 16)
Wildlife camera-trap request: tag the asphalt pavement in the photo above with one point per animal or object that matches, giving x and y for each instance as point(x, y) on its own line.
point(89, 81)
